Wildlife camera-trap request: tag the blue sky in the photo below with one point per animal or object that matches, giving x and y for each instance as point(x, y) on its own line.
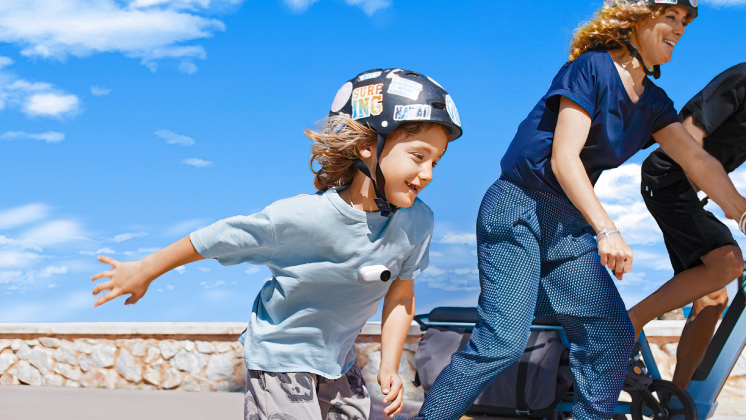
point(125, 125)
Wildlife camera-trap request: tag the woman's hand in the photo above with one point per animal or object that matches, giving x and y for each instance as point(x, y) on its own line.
point(393, 391)
point(615, 254)
point(127, 278)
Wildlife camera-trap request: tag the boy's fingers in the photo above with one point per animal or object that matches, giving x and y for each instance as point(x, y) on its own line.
point(103, 286)
point(107, 297)
point(102, 275)
point(108, 260)
point(396, 405)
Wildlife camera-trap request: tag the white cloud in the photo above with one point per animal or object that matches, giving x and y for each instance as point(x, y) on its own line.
point(252, 270)
point(724, 3)
point(51, 286)
point(214, 284)
point(100, 91)
point(51, 105)
point(144, 29)
point(462, 271)
point(22, 215)
point(127, 236)
point(102, 251)
point(141, 251)
point(21, 278)
point(369, 6)
point(49, 271)
point(49, 136)
point(432, 271)
point(197, 163)
point(170, 287)
point(187, 67)
point(173, 138)
point(618, 190)
point(53, 232)
point(458, 238)
point(180, 269)
point(185, 227)
point(203, 269)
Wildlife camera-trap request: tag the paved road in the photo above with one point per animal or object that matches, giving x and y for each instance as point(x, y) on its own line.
point(32, 403)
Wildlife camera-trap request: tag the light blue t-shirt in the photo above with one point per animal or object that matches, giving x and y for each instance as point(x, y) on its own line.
point(307, 316)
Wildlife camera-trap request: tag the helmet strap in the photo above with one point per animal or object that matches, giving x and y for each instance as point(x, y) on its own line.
point(634, 52)
point(387, 209)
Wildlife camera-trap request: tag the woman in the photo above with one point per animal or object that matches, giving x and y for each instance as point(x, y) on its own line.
point(537, 254)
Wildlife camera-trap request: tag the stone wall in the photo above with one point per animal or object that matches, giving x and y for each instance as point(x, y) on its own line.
point(207, 357)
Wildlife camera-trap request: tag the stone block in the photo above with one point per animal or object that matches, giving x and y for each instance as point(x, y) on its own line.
point(137, 347)
point(224, 347)
point(4, 344)
point(23, 351)
point(220, 367)
point(154, 353)
point(72, 384)
point(169, 348)
point(65, 354)
point(193, 383)
point(28, 374)
point(51, 379)
point(188, 345)
point(152, 376)
point(82, 347)
point(103, 355)
point(205, 347)
point(50, 342)
point(16, 344)
point(172, 380)
point(68, 371)
point(112, 380)
point(93, 378)
point(85, 362)
point(7, 360)
point(9, 377)
point(189, 361)
point(42, 359)
point(33, 342)
point(128, 367)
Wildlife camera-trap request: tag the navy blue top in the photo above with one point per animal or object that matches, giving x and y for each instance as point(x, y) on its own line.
point(619, 127)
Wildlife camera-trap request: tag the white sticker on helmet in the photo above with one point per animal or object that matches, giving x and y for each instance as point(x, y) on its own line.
point(367, 76)
point(405, 87)
point(666, 1)
point(393, 74)
point(366, 101)
point(694, 3)
point(452, 111)
point(343, 94)
point(412, 112)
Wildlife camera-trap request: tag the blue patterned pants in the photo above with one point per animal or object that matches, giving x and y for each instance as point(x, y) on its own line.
point(538, 257)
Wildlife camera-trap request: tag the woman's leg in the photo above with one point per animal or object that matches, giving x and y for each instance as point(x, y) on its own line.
point(586, 302)
point(509, 275)
point(697, 335)
point(719, 267)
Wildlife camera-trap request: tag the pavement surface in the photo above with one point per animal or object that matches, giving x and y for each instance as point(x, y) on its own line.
point(32, 403)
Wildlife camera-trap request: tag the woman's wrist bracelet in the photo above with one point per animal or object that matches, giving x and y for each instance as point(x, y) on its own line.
point(742, 223)
point(605, 233)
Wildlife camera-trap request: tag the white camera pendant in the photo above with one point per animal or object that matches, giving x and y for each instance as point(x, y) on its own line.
point(375, 273)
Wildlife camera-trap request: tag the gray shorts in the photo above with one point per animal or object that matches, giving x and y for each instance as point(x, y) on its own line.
point(305, 396)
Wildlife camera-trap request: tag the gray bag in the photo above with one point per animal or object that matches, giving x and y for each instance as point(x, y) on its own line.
point(533, 386)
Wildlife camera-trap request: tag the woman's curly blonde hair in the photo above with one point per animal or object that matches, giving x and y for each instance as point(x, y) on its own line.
point(612, 23)
point(337, 145)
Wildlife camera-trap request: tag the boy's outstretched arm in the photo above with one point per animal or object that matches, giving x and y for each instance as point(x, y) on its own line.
point(398, 312)
point(133, 277)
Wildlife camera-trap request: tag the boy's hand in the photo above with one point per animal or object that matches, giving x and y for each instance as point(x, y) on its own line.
point(393, 391)
point(127, 278)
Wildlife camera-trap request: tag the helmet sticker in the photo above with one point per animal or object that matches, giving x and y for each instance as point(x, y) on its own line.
point(452, 111)
point(367, 76)
point(412, 112)
point(343, 94)
point(405, 88)
point(666, 1)
point(366, 101)
point(694, 3)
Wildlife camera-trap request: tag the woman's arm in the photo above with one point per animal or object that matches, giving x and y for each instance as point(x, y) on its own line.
point(134, 277)
point(570, 135)
point(706, 172)
point(398, 312)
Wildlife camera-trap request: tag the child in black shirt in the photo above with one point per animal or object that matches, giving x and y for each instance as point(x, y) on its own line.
point(704, 255)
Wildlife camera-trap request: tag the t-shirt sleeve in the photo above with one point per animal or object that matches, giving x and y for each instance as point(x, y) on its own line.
point(666, 115)
point(237, 239)
point(725, 94)
point(576, 81)
point(418, 260)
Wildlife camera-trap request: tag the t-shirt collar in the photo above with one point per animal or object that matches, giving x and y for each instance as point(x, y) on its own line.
point(363, 216)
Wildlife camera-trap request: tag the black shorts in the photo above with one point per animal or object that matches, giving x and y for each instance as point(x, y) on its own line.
point(689, 230)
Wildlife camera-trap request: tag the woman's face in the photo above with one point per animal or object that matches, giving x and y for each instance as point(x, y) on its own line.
point(656, 38)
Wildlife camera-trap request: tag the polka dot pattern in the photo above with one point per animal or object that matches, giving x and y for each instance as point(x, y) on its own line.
point(538, 257)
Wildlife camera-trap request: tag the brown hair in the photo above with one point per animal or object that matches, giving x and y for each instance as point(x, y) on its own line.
point(338, 143)
point(612, 23)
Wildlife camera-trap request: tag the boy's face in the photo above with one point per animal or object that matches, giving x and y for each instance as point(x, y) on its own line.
point(407, 163)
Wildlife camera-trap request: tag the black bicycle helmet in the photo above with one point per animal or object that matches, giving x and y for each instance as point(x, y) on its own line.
point(386, 98)
point(690, 5)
